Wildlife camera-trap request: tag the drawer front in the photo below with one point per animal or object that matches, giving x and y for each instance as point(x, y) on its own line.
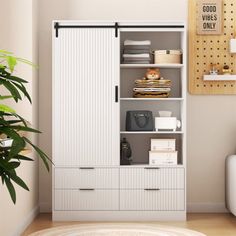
point(98, 178)
point(86, 200)
point(152, 200)
point(163, 178)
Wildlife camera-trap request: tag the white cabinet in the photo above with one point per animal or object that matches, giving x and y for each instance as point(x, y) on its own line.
point(85, 110)
point(92, 91)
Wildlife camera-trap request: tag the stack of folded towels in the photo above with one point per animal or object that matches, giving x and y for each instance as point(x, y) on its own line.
point(145, 88)
point(137, 52)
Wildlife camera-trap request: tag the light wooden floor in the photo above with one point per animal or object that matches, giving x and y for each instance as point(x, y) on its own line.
point(209, 224)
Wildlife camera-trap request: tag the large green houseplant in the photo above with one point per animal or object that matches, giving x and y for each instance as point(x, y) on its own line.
point(11, 124)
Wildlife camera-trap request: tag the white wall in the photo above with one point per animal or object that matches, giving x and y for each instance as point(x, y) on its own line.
point(18, 23)
point(211, 123)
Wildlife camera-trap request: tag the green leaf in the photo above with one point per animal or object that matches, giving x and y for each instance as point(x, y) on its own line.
point(23, 90)
point(43, 156)
point(5, 97)
point(22, 119)
point(5, 108)
point(17, 79)
point(23, 128)
point(7, 166)
point(19, 181)
point(11, 88)
point(23, 158)
point(26, 62)
point(5, 52)
point(11, 61)
point(11, 189)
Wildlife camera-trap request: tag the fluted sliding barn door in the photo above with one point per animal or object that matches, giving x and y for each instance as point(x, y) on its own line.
point(85, 99)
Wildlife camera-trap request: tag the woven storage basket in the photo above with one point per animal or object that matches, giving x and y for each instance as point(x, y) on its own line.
point(167, 57)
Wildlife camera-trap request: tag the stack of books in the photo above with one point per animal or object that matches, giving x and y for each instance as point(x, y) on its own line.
point(163, 152)
point(136, 52)
point(145, 88)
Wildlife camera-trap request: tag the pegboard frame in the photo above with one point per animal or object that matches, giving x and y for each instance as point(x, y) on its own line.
point(205, 50)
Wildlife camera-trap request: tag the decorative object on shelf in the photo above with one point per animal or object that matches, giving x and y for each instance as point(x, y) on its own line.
point(209, 17)
point(226, 70)
point(166, 122)
point(214, 70)
point(168, 57)
point(163, 158)
point(139, 120)
point(232, 45)
point(152, 85)
point(163, 152)
point(136, 52)
point(153, 74)
point(163, 144)
point(125, 152)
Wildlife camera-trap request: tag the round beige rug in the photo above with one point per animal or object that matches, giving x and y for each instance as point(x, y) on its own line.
point(116, 230)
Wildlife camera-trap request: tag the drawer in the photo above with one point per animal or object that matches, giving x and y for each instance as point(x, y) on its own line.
point(150, 177)
point(85, 200)
point(152, 200)
point(98, 178)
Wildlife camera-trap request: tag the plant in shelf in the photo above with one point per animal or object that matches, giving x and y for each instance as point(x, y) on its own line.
point(11, 124)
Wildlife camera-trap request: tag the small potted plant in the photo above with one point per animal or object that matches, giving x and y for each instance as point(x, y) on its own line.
point(12, 143)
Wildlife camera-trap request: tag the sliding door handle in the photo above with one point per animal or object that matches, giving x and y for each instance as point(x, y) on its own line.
point(116, 93)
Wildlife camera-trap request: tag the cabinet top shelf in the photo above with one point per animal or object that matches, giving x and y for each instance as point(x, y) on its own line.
point(170, 66)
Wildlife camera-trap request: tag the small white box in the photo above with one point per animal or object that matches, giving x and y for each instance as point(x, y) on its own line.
point(162, 144)
point(163, 158)
point(167, 123)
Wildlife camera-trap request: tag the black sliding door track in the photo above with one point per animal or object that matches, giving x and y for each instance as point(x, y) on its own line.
point(116, 26)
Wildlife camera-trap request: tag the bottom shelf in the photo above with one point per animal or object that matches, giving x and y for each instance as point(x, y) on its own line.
point(141, 145)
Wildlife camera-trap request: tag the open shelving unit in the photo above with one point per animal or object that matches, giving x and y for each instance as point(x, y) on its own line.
point(176, 102)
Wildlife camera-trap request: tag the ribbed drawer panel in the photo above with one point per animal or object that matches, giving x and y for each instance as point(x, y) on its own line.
point(140, 178)
point(74, 178)
point(152, 200)
point(75, 200)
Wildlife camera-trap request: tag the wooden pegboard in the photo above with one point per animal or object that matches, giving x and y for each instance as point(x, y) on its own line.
point(205, 50)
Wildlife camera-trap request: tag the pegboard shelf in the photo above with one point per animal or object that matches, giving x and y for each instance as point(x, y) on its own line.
point(208, 50)
point(219, 77)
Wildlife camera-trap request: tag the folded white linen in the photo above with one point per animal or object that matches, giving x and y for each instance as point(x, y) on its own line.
point(132, 42)
point(144, 55)
point(151, 89)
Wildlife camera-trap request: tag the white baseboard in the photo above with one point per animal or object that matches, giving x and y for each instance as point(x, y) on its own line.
point(26, 221)
point(206, 207)
point(45, 207)
point(202, 207)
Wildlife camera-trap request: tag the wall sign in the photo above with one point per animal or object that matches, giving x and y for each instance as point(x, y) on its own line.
point(209, 16)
